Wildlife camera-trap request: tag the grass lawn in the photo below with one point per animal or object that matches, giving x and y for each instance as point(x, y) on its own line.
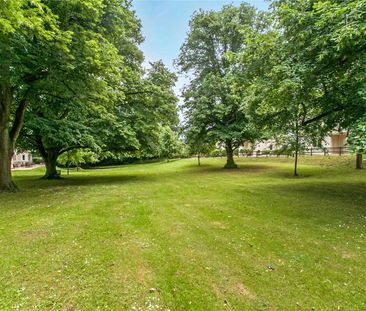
point(174, 236)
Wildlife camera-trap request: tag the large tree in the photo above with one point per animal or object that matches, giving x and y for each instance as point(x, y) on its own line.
point(306, 73)
point(149, 106)
point(75, 108)
point(328, 38)
point(212, 106)
point(31, 45)
point(280, 93)
point(129, 124)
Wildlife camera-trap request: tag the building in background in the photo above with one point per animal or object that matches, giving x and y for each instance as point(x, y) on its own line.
point(21, 159)
point(334, 143)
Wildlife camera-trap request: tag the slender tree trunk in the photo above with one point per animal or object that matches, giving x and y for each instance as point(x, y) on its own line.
point(359, 164)
point(230, 163)
point(296, 149)
point(296, 161)
point(199, 159)
point(50, 160)
point(68, 163)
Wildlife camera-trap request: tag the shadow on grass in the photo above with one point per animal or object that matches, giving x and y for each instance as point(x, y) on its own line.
point(129, 165)
point(28, 183)
point(267, 172)
point(241, 169)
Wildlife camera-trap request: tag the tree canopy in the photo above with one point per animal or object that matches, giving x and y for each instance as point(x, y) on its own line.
point(212, 106)
point(73, 70)
point(304, 73)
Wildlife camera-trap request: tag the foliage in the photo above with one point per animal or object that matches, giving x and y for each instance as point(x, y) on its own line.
point(217, 152)
point(103, 103)
point(150, 107)
point(170, 145)
point(357, 138)
point(33, 48)
point(304, 76)
point(77, 157)
point(246, 152)
point(328, 37)
point(212, 107)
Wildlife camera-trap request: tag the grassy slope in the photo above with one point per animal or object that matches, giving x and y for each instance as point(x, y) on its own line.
point(174, 236)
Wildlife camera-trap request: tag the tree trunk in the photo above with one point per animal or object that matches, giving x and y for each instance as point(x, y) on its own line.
point(199, 159)
point(230, 163)
point(296, 161)
point(6, 154)
point(359, 164)
point(6, 142)
point(50, 160)
point(297, 147)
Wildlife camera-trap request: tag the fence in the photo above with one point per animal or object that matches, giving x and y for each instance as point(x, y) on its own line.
point(340, 151)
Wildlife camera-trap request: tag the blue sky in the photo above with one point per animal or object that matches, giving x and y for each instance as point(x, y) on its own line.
point(165, 24)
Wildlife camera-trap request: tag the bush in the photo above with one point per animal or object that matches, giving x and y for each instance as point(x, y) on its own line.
point(246, 152)
point(217, 153)
point(37, 160)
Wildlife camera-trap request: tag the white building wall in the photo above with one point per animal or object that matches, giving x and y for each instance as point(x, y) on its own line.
point(22, 159)
point(334, 142)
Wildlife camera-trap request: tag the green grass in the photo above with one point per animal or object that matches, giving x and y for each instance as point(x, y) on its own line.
point(176, 236)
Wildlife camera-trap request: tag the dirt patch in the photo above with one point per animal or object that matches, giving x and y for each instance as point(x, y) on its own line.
point(68, 307)
point(143, 274)
point(237, 289)
point(218, 225)
point(348, 255)
point(344, 253)
point(35, 234)
point(241, 290)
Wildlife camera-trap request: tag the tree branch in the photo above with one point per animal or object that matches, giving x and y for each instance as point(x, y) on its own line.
point(73, 148)
point(55, 96)
point(322, 115)
point(18, 120)
point(68, 87)
point(138, 92)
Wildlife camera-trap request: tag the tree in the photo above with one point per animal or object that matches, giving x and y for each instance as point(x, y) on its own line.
point(198, 145)
point(281, 96)
point(212, 106)
point(31, 43)
point(129, 125)
point(357, 141)
point(75, 108)
point(305, 73)
point(76, 157)
point(150, 105)
point(328, 37)
point(57, 130)
point(170, 145)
